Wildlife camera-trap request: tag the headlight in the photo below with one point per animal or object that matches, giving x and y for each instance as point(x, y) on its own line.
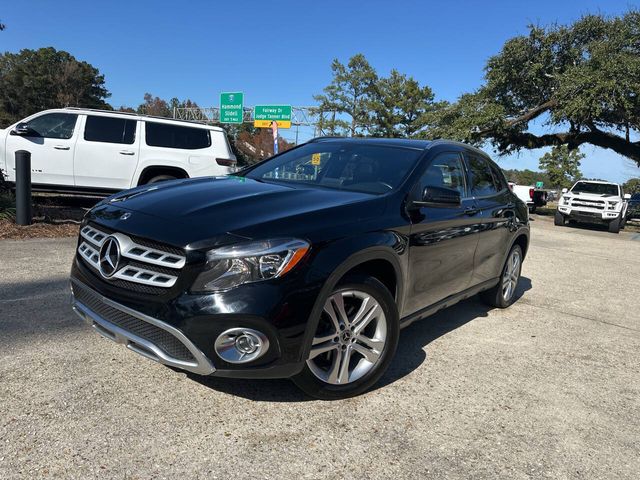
point(612, 205)
point(566, 200)
point(228, 267)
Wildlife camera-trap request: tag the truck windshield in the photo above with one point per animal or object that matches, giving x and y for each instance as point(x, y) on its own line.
point(595, 188)
point(345, 166)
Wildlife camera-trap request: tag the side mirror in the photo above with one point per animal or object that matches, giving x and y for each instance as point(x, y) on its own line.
point(439, 196)
point(565, 190)
point(627, 196)
point(22, 129)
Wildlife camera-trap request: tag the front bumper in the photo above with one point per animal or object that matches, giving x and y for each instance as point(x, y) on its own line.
point(184, 326)
point(590, 215)
point(140, 333)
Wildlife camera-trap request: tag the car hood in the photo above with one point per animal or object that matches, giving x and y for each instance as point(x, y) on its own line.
point(592, 196)
point(191, 211)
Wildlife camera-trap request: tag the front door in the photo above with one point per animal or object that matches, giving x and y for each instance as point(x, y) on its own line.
point(51, 142)
point(443, 239)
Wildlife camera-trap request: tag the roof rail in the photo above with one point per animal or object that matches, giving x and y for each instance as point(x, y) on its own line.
point(133, 114)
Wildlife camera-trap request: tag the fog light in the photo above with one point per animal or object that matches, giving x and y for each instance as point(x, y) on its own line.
point(241, 345)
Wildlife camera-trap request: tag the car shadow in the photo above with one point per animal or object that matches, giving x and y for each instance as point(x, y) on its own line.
point(409, 356)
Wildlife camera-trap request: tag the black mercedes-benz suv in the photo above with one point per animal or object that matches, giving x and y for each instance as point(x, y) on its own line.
point(305, 265)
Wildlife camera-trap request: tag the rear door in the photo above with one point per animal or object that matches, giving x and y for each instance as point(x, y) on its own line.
point(51, 142)
point(107, 152)
point(443, 239)
point(497, 210)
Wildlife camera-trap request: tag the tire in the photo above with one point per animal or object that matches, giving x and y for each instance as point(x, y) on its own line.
point(558, 220)
point(623, 223)
point(532, 209)
point(335, 340)
point(496, 296)
point(161, 178)
point(614, 225)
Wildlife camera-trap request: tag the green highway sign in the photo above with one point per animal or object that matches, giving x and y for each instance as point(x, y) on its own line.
point(272, 112)
point(539, 184)
point(231, 104)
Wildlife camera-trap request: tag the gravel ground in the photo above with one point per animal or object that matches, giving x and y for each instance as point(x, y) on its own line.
point(549, 388)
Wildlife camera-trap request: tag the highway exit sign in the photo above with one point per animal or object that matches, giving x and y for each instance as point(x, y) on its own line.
point(263, 115)
point(231, 107)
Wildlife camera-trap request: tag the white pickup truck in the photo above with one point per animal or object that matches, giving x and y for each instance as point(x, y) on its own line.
point(595, 202)
point(529, 195)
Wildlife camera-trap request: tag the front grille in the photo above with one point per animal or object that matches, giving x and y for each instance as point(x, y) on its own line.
point(597, 204)
point(144, 266)
point(156, 335)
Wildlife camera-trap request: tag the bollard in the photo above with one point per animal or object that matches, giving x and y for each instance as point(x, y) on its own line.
point(23, 187)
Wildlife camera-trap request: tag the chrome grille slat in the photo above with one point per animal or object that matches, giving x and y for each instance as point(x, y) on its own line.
point(146, 255)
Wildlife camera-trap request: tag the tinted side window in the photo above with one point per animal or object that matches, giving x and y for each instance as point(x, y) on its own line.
point(445, 171)
point(174, 136)
point(498, 177)
point(481, 177)
point(110, 130)
point(53, 125)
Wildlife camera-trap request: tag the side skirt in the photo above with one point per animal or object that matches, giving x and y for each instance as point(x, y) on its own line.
point(448, 302)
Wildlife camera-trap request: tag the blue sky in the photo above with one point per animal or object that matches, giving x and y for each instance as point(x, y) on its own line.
point(280, 52)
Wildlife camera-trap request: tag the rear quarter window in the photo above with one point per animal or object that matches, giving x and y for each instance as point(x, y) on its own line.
point(176, 136)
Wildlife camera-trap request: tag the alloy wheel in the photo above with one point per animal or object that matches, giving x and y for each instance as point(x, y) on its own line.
point(511, 275)
point(350, 339)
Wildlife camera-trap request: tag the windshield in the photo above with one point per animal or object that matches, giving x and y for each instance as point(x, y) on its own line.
point(341, 165)
point(596, 188)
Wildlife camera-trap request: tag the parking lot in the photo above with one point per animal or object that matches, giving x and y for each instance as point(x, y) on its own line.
point(549, 388)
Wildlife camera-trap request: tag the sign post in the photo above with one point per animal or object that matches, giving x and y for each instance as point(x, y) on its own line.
point(264, 115)
point(231, 107)
point(274, 130)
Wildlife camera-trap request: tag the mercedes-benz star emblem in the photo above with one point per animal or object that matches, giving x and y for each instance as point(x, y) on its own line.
point(109, 257)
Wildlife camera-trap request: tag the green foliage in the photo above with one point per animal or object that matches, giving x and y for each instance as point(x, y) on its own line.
point(527, 177)
point(581, 81)
point(360, 102)
point(399, 106)
point(348, 93)
point(632, 186)
point(562, 166)
point(35, 80)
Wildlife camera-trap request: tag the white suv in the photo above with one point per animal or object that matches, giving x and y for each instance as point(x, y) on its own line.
point(98, 151)
point(593, 202)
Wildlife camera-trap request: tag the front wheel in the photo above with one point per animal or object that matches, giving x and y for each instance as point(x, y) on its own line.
point(614, 225)
point(354, 343)
point(558, 220)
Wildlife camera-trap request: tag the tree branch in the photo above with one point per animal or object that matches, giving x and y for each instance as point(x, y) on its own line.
point(572, 140)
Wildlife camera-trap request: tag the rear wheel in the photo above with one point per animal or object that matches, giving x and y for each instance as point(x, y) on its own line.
point(503, 294)
point(558, 220)
point(355, 341)
point(161, 178)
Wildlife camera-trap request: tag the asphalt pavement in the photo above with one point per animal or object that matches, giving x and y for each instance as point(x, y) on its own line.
point(549, 388)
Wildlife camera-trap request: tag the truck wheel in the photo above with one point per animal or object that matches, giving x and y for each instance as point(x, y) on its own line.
point(355, 340)
point(532, 209)
point(558, 220)
point(161, 178)
point(614, 225)
point(504, 293)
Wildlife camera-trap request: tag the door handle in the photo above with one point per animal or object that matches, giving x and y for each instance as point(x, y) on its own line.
point(61, 147)
point(126, 152)
point(471, 211)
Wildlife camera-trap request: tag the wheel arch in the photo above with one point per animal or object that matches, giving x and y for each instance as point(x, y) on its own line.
point(154, 170)
point(377, 261)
